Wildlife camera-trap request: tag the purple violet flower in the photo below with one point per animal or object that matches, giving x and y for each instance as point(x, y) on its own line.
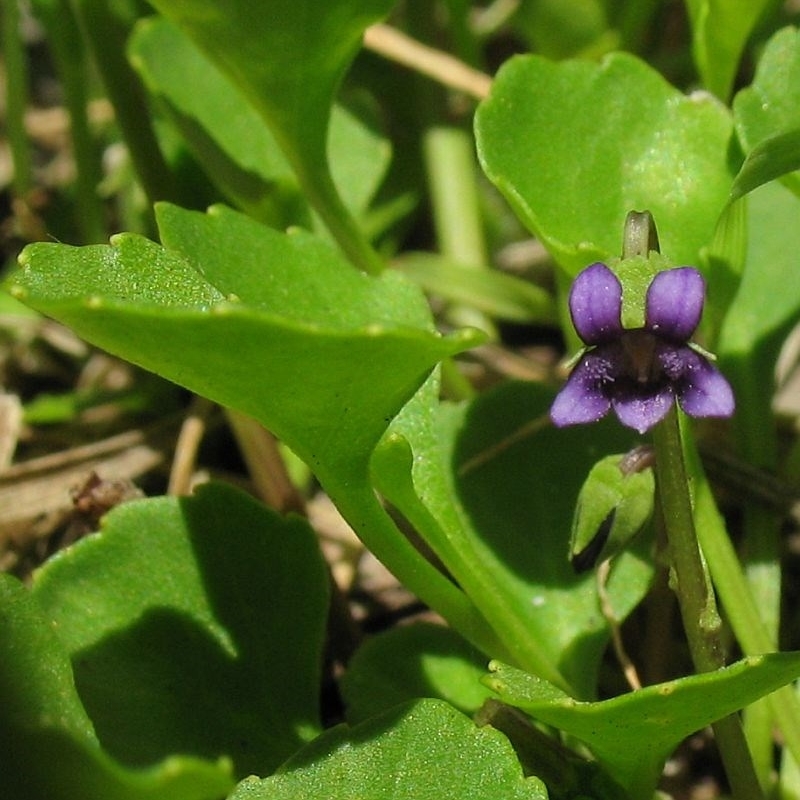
point(639, 372)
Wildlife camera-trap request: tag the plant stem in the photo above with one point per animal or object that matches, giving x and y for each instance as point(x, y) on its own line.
point(107, 27)
point(450, 165)
point(16, 97)
point(692, 584)
point(69, 55)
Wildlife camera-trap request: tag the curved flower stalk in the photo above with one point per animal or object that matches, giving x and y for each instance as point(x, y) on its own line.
point(640, 372)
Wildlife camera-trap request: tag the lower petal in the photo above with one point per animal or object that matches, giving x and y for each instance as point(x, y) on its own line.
point(643, 411)
point(704, 391)
point(582, 399)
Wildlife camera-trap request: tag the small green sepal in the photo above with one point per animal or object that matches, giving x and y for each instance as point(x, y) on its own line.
point(614, 504)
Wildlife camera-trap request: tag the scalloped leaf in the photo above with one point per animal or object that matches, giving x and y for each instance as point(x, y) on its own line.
point(278, 326)
point(574, 146)
point(632, 735)
point(422, 751)
point(48, 749)
point(275, 325)
point(182, 616)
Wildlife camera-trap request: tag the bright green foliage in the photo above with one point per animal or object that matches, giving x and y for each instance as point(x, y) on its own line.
point(720, 29)
point(404, 663)
point(763, 312)
point(179, 650)
point(211, 571)
point(633, 734)
point(501, 524)
point(272, 324)
point(612, 508)
point(767, 113)
point(48, 748)
point(288, 60)
point(234, 143)
point(575, 146)
point(278, 326)
point(420, 751)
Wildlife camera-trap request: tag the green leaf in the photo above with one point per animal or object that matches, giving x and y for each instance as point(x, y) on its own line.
point(499, 518)
point(402, 664)
point(770, 159)
point(290, 73)
point(767, 113)
point(275, 325)
point(181, 619)
point(575, 146)
point(423, 751)
point(720, 29)
point(502, 296)
point(225, 132)
point(614, 504)
point(762, 314)
point(271, 324)
point(563, 28)
point(48, 748)
point(232, 141)
point(632, 735)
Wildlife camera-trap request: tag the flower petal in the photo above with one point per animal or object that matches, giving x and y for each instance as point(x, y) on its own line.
point(674, 303)
point(704, 391)
point(582, 399)
point(595, 303)
point(642, 411)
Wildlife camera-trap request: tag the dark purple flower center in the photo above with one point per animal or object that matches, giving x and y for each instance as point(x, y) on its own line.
point(638, 361)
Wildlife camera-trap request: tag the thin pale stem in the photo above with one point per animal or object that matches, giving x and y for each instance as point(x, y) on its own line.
point(692, 584)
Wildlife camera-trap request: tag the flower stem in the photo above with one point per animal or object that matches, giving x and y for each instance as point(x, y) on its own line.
point(692, 583)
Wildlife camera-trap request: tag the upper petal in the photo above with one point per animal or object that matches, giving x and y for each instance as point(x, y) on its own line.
point(595, 303)
point(582, 399)
point(674, 303)
point(704, 391)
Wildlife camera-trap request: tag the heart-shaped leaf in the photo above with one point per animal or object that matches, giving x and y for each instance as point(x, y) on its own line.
point(632, 735)
point(575, 146)
point(422, 751)
point(500, 521)
point(275, 325)
point(272, 324)
point(181, 619)
point(48, 749)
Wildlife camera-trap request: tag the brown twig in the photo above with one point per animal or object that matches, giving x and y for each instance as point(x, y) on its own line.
point(397, 46)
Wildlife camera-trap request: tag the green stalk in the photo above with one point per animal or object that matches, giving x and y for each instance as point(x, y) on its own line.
point(451, 168)
point(17, 98)
point(692, 584)
point(381, 536)
point(742, 611)
point(107, 26)
point(321, 192)
point(69, 55)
